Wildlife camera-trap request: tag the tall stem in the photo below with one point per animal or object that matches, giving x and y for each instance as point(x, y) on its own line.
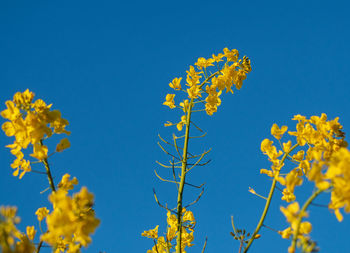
point(183, 177)
point(269, 198)
point(48, 172)
point(303, 209)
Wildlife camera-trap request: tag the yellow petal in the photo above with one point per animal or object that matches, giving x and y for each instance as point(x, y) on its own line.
point(64, 144)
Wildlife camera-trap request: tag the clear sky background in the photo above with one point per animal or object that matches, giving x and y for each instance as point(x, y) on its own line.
point(107, 64)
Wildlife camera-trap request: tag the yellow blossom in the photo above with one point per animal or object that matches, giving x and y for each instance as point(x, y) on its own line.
point(23, 99)
point(217, 58)
point(287, 146)
point(62, 145)
point(12, 112)
point(30, 123)
point(168, 123)
point(152, 233)
point(31, 232)
point(194, 91)
point(39, 151)
point(270, 150)
point(204, 63)
point(181, 123)
point(66, 183)
point(169, 101)
point(175, 84)
point(185, 105)
point(286, 233)
point(277, 132)
point(72, 219)
point(41, 213)
point(231, 55)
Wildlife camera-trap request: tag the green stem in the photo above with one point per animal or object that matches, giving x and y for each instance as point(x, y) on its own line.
point(49, 176)
point(182, 181)
point(39, 246)
point(268, 201)
point(48, 172)
point(300, 217)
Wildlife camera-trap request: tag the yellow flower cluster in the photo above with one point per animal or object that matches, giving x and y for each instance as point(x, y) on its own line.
point(322, 139)
point(338, 173)
point(322, 158)
point(11, 239)
point(163, 244)
point(292, 213)
point(72, 220)
point(30, 122)
point(232, 72)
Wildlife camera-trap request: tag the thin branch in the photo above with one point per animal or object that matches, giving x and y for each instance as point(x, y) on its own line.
point(171, 144)
point(233, 226)
point(48, 171)
point(174, 175)
point(39, 172)
point(197, 127)
point(155, 244)
point(205, 244)
point(166, 152)
point(201, 157)
point(201, 164)
point(176, 147)
point(197, 199)
point(165, 180)
point(195, 186)
point(39, 246)
point(319, 205)
point(200, 110)
point(200, 136)
point(167, 166)
point(272, 229)
point(156, 198)
point(48, 188)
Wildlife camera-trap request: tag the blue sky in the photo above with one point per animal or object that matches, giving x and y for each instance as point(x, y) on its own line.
point(106, 65)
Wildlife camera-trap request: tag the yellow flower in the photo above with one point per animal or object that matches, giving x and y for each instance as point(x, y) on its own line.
point(72, 219)
point(287, 146)
point(231, 55)
point(62, 145)
point(218, 58)
point(41, 213)
point(292, 214)
point(192, 77)
point(271, 151)
point(9, 128)
point(305, 227)
point(251, 190)
point(169, 101)
point(204, 63)
point(66, 184)
point(175, 84)
point(39, 151)
point(210, 109)
point(194, 91)
point(31, 232)
point(152, 233)
point(30, 123)
point(181, 123)
point(23, 99)
point(12, 112)
point(168, 123)
point(286, 233)
point(277, 132)
point(185, 104)
point(288, 195)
